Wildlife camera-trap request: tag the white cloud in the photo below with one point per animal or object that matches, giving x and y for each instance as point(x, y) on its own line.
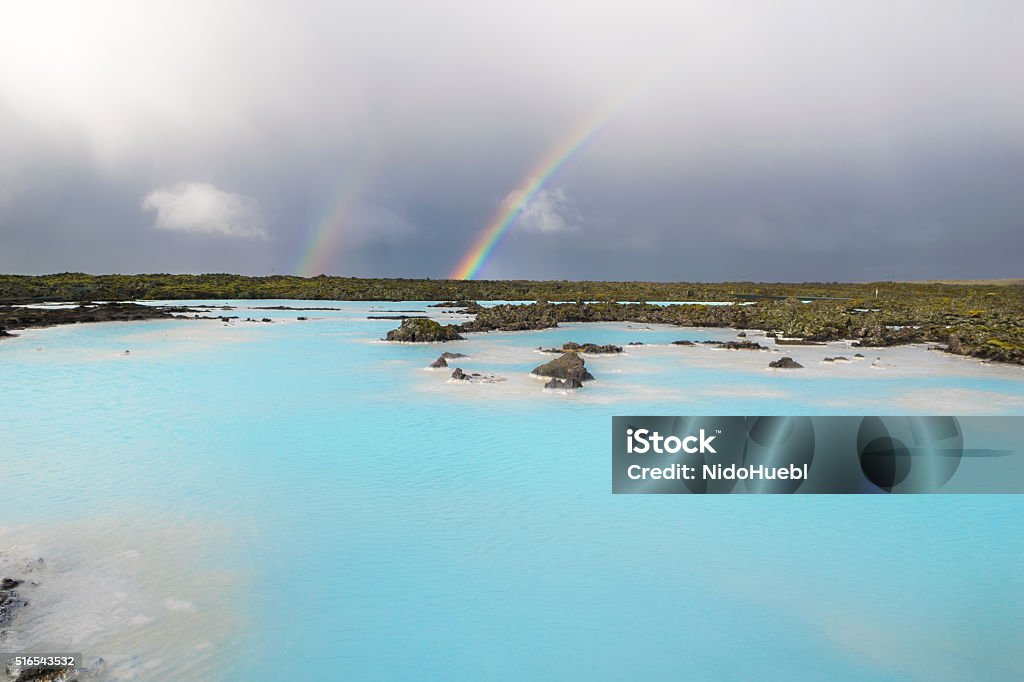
point(201, 208)
point(549, 211)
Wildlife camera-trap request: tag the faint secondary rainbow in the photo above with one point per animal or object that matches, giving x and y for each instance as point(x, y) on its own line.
point(549, 164)
point(326, 234)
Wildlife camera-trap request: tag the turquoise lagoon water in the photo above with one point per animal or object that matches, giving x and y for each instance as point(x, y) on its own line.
point(270, 501)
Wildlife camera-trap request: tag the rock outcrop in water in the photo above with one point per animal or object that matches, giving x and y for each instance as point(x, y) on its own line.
point(439, 363)
point(423, 330)
point(476, 377)
point(591, 348)
point(737, 345)
point(10, 600)
point(13, 317)
point(567, 366)
point(463, 306)
point(785, 363)
point(395, 317)
point(448, 355)
point(567, 385)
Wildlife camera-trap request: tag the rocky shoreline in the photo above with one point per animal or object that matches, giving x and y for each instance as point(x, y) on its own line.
point(989, 330)
point(15, 317)
point(986, 334)
point(12, 603)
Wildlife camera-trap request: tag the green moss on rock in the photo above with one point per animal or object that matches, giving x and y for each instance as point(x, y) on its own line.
point(567, 366)
point(423, 330)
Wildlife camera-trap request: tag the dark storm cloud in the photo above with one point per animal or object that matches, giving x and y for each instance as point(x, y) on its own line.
point(782, 141)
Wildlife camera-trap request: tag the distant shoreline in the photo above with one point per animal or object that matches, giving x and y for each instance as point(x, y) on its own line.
point(21, 289)
point(974, 322)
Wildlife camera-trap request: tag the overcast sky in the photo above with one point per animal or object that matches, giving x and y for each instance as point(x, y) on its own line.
point(746, 140)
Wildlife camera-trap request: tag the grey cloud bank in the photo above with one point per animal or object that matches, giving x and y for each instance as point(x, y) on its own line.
point(780, 141)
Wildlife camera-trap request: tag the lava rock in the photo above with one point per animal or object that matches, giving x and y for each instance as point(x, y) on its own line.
point(439, 363)
point(423, 330)
point(567, 385)
point(567, 366)
point(466, 306)
point(585, 348)
point(41, 674)
point(10, 602)
point(683, 342)
point(476, 377)
point(737, 345)
point(448, 355)
point(785, 363)
point(396, 317)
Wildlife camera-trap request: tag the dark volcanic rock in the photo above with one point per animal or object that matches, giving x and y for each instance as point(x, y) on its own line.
point(585, 348)
point(10, 602)
point(277, 307)
point(40, 674)
point(785, 363)
point(737, 345)
point(10, 583)
point(567, 366)
point(683, 342)
point(742, 335)
point(440, 362)
point(448, 355)
point(423, 330)
point(396, 317)
point(468, 306)
point(567, 385)
point(476, 377)
point(12, 317)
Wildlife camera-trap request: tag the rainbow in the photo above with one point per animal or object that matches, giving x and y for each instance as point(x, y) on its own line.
point(325, 234)
point(489, 238)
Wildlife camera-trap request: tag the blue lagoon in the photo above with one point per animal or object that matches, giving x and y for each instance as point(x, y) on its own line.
point(264, 501)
